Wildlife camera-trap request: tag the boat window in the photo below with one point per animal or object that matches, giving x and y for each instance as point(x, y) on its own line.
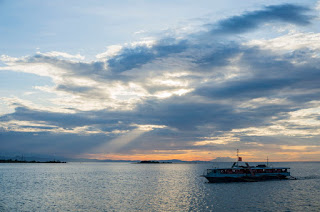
point(214, 171)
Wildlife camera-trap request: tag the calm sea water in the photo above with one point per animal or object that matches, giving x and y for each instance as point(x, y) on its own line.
point(150, 187)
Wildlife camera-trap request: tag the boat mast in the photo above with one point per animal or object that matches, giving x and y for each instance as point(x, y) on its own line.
point(237, 157)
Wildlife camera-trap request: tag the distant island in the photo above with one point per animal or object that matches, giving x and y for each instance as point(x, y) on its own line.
point(33, 161)
point(152, 161)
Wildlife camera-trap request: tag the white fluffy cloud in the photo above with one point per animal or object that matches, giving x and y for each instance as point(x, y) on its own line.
point(290, 42)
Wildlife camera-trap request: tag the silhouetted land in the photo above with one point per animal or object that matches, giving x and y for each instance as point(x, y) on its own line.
point(33, 161)
point(152, 161)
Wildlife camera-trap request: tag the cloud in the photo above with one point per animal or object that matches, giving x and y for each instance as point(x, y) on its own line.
point(289, 42)
point(280, 13)
point(196, 93)
point(318, 5)
point(111, 51)
point(8, 59)
point(62, 54)
point(130, 58)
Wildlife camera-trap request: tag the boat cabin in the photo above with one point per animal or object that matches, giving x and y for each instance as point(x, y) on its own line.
point(246, 170)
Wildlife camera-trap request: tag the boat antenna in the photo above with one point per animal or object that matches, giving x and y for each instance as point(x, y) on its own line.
point(267, 161)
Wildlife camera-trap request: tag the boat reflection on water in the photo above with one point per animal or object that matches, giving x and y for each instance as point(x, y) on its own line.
point(243, 172)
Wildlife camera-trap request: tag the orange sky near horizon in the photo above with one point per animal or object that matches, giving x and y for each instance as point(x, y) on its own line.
point(250, 156)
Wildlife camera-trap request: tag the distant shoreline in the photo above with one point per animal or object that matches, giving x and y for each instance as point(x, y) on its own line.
point(33, 161)
point(152, 161)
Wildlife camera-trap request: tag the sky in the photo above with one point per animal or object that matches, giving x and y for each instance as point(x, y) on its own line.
point(160, 80)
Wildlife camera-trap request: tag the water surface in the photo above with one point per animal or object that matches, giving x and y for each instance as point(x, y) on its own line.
point(150, 187)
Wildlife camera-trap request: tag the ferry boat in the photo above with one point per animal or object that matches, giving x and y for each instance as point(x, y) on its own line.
point(246, 173)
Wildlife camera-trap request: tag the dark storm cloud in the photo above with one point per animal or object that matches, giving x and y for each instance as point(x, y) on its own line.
point(69, 120)
point(49, 143)
point(78, 89)
point(243, 23)
point(112, 69)
point(187, 115)
point(267, 75)
point(248, 89)
point(184, 113)
point(178, 112)
point(183, 120)
point(93, 69)
point(130, 58)
point(217, 55)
